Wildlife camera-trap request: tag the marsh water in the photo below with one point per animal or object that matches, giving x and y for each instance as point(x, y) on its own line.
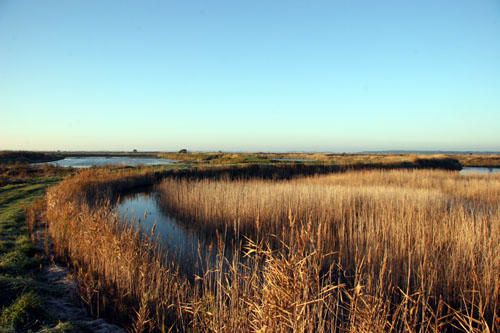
point(184, 243)
point(95, 161)
point(479, 170)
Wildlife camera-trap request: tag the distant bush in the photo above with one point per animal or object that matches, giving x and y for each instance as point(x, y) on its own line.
point(9, 157)
point(438, 163)
point(21, 172)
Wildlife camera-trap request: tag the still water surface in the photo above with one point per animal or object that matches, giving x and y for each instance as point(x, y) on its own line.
point(186, 245)
point(479, 170)
point(93, 161)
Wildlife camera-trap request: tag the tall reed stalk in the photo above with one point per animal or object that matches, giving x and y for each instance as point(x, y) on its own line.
point(356, 252)
point(434, 231)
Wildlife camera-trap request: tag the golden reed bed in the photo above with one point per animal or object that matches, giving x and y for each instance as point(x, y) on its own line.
point(370, 251)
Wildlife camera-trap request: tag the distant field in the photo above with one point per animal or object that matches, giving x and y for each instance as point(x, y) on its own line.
point(469, 160)
point(477, 160)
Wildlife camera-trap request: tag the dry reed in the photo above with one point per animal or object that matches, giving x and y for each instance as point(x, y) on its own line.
point(432, 231)
point(401, 253)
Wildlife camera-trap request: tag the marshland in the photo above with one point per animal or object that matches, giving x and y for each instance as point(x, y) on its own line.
point(294, 246)
point(249, 166)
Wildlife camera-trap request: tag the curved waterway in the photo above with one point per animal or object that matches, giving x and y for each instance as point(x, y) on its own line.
point(187, 245)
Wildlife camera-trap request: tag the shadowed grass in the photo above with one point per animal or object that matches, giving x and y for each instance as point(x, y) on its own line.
point(23, 313)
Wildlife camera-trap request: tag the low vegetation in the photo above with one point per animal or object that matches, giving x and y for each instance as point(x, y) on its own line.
point(360, 251)
point(21, 301)
point(12, 157)
point(20, 173)
point(479, 160)
point(340, 160)
point(351, 159)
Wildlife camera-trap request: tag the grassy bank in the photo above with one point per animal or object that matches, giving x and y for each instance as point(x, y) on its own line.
point(22, 173)
point(36, 294)
point(22, 294)
point(392, 260)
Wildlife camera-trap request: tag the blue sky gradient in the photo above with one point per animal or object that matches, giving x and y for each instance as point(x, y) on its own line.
point(250, 75)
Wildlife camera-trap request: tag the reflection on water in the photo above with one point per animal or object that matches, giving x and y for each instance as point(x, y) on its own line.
point(478, 170)
point(92, 161)
point(191, 249)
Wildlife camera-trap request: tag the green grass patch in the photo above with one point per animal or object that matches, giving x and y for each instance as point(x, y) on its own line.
point(23, 314)
point(21, 296)
point(19, 257)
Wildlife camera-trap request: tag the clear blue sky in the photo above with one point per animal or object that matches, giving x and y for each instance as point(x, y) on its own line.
point(250, 75)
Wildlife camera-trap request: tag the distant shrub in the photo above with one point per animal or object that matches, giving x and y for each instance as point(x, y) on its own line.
point(10, 157)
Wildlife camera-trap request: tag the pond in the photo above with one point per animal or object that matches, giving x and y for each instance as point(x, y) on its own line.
point(186, 245)
point(479, 170)
point(96, 161)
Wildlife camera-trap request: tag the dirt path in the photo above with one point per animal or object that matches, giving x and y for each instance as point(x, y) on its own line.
point(35, 295)
point(68, 305)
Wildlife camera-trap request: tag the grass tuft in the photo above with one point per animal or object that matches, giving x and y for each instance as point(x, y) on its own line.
point(22, 314)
